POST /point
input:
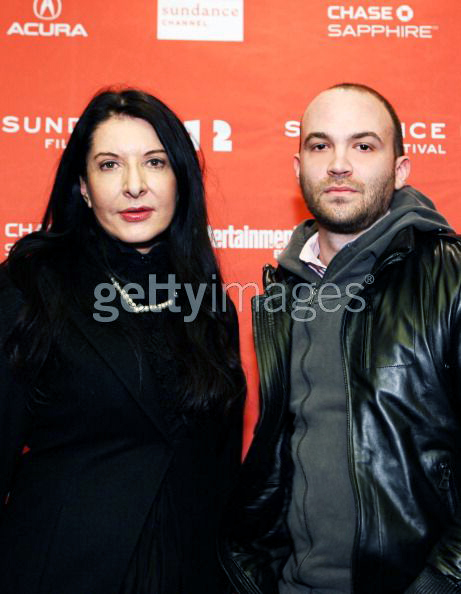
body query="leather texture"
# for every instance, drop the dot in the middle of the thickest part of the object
(402, 369)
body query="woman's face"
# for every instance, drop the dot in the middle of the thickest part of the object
(129, 184)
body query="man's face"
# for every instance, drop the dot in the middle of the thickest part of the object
(346, 165)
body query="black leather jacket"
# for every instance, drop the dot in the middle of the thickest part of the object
(402, 370)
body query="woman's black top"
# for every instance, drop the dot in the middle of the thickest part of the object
(121, 488)
(175, 551)
(178, 540)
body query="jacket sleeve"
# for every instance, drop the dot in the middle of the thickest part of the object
(433, 581)
(442, 574)
(445, 561)
(14, 416)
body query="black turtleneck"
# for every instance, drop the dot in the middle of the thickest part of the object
(147, 331)
(153, 568)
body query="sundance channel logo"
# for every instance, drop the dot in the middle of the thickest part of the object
(360, 20)
(200, 20)
(46, 12)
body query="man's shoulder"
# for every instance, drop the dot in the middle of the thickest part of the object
(438, 256)
(438, 243)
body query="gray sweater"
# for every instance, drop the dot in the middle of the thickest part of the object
(322, 515)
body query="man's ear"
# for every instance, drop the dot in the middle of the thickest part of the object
(296, 165)
(402, 171)
(84, 192)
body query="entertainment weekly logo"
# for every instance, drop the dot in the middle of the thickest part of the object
(352, 20)
(54, 131)
(244, 238)
(419, 138)
(202, 20)
(44, 25)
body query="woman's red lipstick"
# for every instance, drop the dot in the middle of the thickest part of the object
(136, 215)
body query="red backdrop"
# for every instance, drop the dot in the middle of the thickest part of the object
(240, 73)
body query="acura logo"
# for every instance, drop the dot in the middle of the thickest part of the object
(47, 10)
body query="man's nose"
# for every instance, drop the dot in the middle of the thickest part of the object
(134, 183)
(339, 164)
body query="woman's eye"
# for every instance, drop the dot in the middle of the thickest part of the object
(157, 163)
(108, 165)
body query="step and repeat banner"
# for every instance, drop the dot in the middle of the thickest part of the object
(239, 73)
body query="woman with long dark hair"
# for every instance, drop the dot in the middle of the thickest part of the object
(120, 370)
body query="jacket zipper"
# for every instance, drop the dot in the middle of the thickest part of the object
(446, 474)
(366, 358)
(314, 292)
(350, 456)
(446, 484)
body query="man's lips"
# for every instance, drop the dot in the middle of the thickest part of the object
(338, 189)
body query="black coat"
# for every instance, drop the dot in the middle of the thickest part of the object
(402, 366)
(100, 447)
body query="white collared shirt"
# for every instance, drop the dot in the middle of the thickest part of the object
(310, 255)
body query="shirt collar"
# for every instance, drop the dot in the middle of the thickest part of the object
(310, 255)
(311, 250)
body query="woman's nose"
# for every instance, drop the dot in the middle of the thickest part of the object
(134, 182)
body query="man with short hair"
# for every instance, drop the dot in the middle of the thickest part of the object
(353, 479)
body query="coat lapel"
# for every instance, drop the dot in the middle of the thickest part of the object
(135, 374)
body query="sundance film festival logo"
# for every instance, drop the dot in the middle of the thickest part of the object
(421, 137)
(351, 20)
(47, 11)
(54, 130)
(424, 138)
(200, 20)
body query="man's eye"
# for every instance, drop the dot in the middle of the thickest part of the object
(364, 147)
(319, 147)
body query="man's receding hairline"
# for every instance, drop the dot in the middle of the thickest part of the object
(390, 124)
(387, 106)
(346, 90)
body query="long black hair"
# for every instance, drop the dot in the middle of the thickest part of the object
(209, 346)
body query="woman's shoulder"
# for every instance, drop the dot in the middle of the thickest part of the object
(6, 284)
(11, 298)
